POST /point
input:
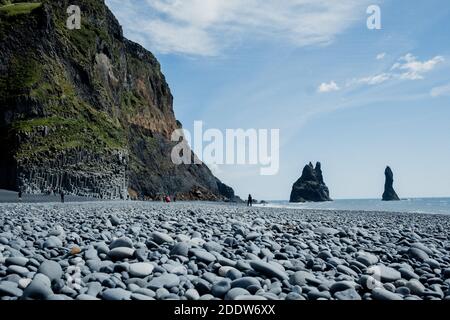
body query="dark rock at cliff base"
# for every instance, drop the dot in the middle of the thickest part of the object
(87, 111)
(389, 192)
(310, 187)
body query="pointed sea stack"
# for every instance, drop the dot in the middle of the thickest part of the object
(310, 187)
(389, 192)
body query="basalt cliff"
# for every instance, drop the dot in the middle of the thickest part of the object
(311, 186)
(389, 193)
(87, 111)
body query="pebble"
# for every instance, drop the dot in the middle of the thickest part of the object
(203, 255)
(269, 270)
(167, 280)
(141, 270)
(161, 238)
(51, 269)
(123, 242)
(180, 249)
(87, 253)
(116, 294)
(121, 253)
(236, 292)
(39, 288)
(383, 294)
(53, 242)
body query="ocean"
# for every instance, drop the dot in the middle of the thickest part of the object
(414, 205)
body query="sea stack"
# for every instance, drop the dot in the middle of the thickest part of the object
(389, 192)
(310, 187)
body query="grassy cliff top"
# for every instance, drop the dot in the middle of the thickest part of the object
(14, 9)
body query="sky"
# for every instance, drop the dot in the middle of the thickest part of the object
(355, 99)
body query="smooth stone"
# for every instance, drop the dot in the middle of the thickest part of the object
(342, 286)
(94, 288)
(367, 259)
(140, 297)
(213, 246)
(51, 269)
(53, 242)
(301, 278)
(10, 290)
(115, 221)
(140, 269)
(116, 294)
(24, 282)
(121, 253)
(220, 288)
(384, 273)
(146, 292)
(192, 294)
(180, 249)
(39, 288)
(408, 274)
(245, 282)
(236, 292)
(123, 242)
(269, 270)
(203, 255)
(316, 294)
(346, 270)
(17, 261)
(417, 254)
(21, 271)
(160, 238)
(416, 287)
(91, 254)
(383, 294)
(167, 280)
(86, 297)
(349, 294)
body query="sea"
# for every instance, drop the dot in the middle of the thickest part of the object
(413, 205)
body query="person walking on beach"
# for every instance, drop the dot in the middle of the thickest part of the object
(62, 196)
(20, 195)
(250, 201)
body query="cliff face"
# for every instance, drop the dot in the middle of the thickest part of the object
(310, 187)
(86, 111)
(389, 192)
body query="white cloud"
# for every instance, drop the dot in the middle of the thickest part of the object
(377, 79)
(440, 91)
(207, 27)
(381, 56)
(406, 68)
(328, 87)
(413, 69)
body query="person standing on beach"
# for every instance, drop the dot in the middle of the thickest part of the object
(62, 196)
(250, 201)
(20, 195)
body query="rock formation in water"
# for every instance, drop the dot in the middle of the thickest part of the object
(310, 187)
(87, 111)
(389, 192)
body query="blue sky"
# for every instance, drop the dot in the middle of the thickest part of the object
(353, 98)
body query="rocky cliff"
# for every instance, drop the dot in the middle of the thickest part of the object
(389, 192)
(311, 186)
(87, 111)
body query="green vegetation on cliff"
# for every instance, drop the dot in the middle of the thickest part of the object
(14, 9)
